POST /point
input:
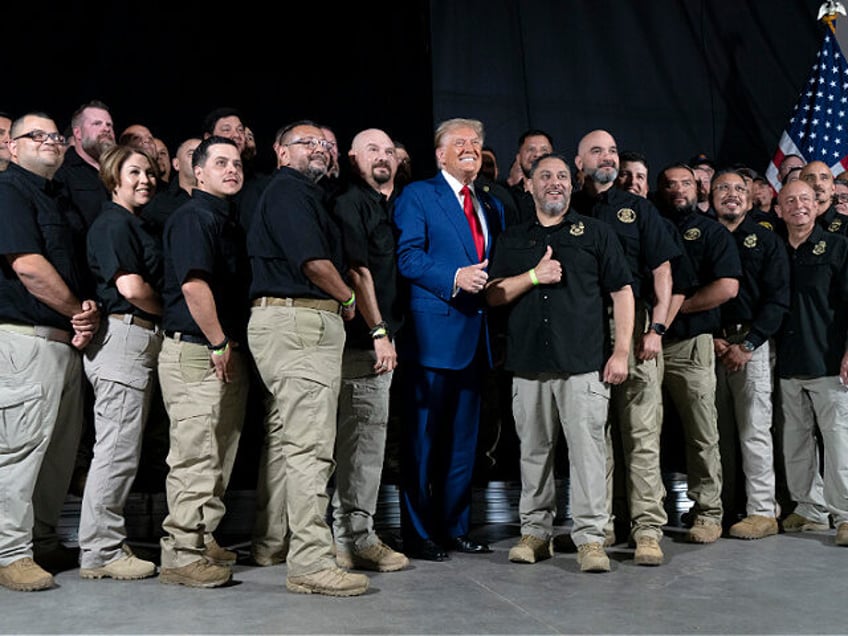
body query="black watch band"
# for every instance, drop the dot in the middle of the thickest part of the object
(658, 328)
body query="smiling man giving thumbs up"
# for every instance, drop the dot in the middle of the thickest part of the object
(556, 273)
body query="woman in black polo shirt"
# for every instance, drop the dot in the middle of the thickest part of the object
(126, 262)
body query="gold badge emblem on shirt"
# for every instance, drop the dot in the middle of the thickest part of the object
(820, 248)
(577, 229)
(767, 225)
(834, 226)
(626, 215)
(692, 234)
(750, 241)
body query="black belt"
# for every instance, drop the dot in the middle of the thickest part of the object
(179, 336)
(742, 328)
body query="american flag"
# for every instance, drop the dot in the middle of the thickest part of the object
(818, 128)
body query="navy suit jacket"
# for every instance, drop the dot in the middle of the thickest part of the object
(434, 241)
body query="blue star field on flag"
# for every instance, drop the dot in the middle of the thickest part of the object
(818, 128)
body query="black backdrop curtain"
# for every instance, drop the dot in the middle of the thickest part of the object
(669, 78)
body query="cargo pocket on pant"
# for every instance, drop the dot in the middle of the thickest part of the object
(21, 410)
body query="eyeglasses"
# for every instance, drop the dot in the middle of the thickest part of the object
(312, 144)
(842, 198)
(726, 187)
(39, 137)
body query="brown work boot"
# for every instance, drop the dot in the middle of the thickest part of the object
(25, 575)
(126, 568)
(217, 555)
(332, 582)
(530, 549)
(378, 557)
(797, 523)
(753, 527)
(842, 533)
(704, 531)
(564, 543)
(648, 551)
(198, 573)
(592, 558)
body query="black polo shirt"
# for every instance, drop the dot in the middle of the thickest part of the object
(811, 341)
(712, 254)
(291, 226)
(769, 220)
(368, 236)
(83, 184)
(119, 241)
(34, 219)
(833, 222)
(637, 223)
(203, 236)
(763, 297)
(561, 328)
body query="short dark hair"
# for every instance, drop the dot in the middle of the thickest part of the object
(683, 166)
(534, 132)
(550, 155)
(219, 113)
(285, 130)
(633, 157)
(201, 153)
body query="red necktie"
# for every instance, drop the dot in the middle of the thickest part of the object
(473, 221)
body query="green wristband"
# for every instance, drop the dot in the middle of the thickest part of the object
(350, 300)
(533, 278)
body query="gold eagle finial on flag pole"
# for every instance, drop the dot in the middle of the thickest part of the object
(828, 12)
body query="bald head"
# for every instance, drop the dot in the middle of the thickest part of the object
(597, 158)
(372, 155)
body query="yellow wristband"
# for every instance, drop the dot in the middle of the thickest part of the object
(533, 278)
(350, 300)
(221, 351)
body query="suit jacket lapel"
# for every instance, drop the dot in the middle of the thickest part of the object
(453, 211)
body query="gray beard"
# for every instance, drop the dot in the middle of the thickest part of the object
(603, 178)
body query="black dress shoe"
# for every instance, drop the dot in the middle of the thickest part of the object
(466, 544)
(425, 550)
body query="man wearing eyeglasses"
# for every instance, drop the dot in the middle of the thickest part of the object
(296, 334)
(43, 324)
(743, 363)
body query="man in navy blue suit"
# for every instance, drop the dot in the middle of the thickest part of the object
(446, 230)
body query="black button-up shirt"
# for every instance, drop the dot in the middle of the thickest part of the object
(637, 223)
(712, 254)
(35, 219)
(291, 225)
(564, 327)
(811, 342)
(763, 297)
(368, 235)
(203, 238)
(119, 241)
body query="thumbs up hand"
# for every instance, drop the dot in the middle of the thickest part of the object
(548, 270)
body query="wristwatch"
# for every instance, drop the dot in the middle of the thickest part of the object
(658, 328)
(748, 346)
